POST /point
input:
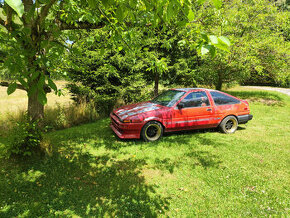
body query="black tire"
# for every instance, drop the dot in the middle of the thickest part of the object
(152, 131)
(229, 125)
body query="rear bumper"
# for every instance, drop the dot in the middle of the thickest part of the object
(244, 118)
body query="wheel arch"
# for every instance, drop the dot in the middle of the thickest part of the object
(156, 119)
(147, 121)
(228, 116)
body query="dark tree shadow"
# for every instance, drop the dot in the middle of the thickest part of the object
(73, 182)
(205, 159)
(166, 164)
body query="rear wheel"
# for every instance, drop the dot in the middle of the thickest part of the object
(229, 125)
(152, 131)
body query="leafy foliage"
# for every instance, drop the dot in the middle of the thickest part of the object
(106, 73)
(259, 54)
(24, 139)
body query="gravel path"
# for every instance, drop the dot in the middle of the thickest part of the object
(282, 90)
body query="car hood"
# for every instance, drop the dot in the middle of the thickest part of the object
(136, 109)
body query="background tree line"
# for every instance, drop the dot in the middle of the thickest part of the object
(130, 70)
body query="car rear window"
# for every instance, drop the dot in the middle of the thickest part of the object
(223, 99)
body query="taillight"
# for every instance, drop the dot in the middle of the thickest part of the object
(246, 105)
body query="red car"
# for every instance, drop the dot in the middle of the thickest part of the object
(180, 109)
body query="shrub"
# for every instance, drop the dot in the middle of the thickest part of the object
(24, 139)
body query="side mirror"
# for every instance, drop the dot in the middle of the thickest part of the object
(180, 105)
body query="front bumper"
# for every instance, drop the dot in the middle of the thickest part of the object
(125, 130)
(244, 118)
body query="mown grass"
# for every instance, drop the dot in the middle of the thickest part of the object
(90, 172)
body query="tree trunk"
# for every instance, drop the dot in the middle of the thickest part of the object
(35, 109)
(156, 84)
(219, 83)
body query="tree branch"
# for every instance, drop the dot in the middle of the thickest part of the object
(9, 12)
(2, 22)
(44, 11)
(28, 5)
(81, 25)
(21, 87)
(6, 84)
(103, 13)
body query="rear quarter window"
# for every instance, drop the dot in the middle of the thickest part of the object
(223, 99)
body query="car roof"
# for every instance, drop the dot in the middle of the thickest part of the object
(192, 89)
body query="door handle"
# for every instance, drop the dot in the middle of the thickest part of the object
(209, 109)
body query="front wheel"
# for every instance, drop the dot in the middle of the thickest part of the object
(229, 125)
(152, 131)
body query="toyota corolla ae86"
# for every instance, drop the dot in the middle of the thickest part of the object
(180, 109)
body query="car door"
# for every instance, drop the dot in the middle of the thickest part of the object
(197, 112)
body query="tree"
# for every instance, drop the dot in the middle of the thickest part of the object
(258, 54)
(103, 72)
(33, 33)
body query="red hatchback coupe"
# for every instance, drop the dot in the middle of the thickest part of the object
(180, 109)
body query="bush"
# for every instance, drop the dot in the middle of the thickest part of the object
(24, 139)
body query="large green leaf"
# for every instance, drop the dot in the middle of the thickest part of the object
(17, 6)
(170, 10)
(208, 49)
(52, 84)
(200, 1)
(11, 88)
(119, 13)
(41, 97)
(34, 75)
(217, 3)
(32, 90)
(204, 36)
(41, 82)
(225, 40)
(23, 82)
(213, 39)
(92, 3)
(190, 15)
(223, 46)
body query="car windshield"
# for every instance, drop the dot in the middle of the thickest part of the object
(168, 98)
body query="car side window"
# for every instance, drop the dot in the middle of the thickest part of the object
(223, 99)
(196, 99)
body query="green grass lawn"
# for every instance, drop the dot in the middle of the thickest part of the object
(90, 172)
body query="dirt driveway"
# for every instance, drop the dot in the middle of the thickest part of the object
(282, 90)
